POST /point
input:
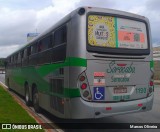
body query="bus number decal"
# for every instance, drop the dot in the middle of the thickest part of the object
(121, 97)
(141, 90)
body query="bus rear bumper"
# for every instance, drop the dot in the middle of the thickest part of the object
(84, 110)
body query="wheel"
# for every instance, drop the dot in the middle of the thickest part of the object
(36, 101)
(27, 98)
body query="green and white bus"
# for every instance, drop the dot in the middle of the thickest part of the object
(93, 63)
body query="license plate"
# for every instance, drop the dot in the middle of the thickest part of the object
(120, 89)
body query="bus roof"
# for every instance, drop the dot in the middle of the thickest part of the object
(71, 14)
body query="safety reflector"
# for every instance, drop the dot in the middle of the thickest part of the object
(121, 65)
(140, 105)
(151, 83)
(108, 108)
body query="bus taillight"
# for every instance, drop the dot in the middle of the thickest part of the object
(82, 78)
(151, 88)
(85, 93)
(151, 83)
(108, 108)
(140, 105)
(84, 86)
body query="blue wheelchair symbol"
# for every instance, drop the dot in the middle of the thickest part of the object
(99, 93)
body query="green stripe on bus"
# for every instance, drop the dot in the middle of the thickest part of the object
(31, 76)
(151, 64)
(73, 61)
(116, 31)
(70, 61)
(68, 93)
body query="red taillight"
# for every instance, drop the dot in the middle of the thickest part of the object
(108, 108)
(151, 83)
(84, 86)
(82, 78)
(121, 65)
(140, 105)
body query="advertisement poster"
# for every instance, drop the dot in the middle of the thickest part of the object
(113, 32)
(101, 31)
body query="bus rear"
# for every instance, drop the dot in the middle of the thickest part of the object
(118, 77)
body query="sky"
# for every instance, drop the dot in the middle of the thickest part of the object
(19, 17)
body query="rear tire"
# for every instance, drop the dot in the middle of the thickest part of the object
(27, 97)
(36, 101)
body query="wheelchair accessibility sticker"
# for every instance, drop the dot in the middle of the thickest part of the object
(99, 93)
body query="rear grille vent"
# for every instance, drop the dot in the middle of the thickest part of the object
(56, 88)
(121, 57)
(57, 104)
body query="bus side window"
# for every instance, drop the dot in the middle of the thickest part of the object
(11, 60)
(39, 46)
(15, 59)
(25, 57)
(19, 60)
(34, 48)
(22, 54)
(25, 53)
(7, 62)
(29, 51)
(33, 56)
(49, 41)
(22, 57)
(60, 36)
(19, 56)
(45, 44)
(60, 41)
